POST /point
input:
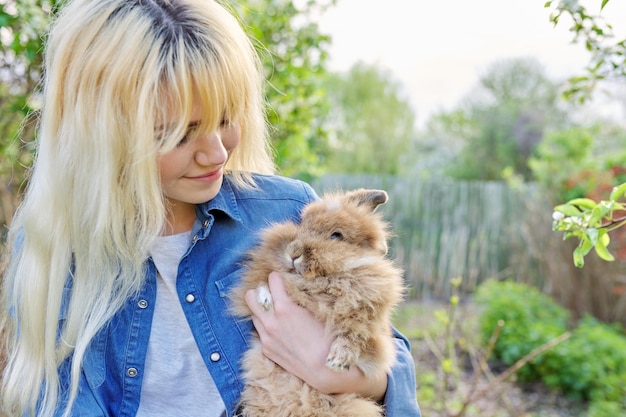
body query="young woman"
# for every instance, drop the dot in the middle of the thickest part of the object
(152, 178)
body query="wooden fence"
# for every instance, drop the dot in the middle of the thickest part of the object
(445, 229)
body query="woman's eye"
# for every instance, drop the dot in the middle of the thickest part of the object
(184, 140)
(191, 131)
(188, 134)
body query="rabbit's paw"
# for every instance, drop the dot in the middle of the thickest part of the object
(264, 297)
(341, 357)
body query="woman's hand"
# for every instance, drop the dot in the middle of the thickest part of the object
(294, 339)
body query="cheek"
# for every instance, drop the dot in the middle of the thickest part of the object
(231, 137)
(168, 164)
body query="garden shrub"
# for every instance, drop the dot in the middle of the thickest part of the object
(606, 409)
(590, 365)
(531, 319)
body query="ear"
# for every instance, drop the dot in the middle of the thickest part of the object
(369, 198)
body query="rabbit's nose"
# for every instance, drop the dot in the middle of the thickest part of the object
(295, 252)
(295, 249)
(297, 255)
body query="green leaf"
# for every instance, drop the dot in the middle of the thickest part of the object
(447, 366)
(593, 235)
(6, 19)
(598, 213)
(568, 210)
(618, 191)
(579, 257)
(601, 248)
(586, 245)
(604, 2)
(618, 206)
(583, 203)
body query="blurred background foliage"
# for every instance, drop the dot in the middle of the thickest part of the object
(294, 54)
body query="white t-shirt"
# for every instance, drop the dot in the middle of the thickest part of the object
(176, 380)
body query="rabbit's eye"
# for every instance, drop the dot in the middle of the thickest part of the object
(336, 235)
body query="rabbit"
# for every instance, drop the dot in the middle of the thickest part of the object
(334, 264)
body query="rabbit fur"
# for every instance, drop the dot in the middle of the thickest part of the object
(334, 264)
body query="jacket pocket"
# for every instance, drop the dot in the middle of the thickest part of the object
(225, 288)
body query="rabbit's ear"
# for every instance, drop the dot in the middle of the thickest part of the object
(369, 198)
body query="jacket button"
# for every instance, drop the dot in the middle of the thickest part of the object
(195, 238)
(205, 224)
(131, 372)
(190, 298)
(142, 304)
(215, 356)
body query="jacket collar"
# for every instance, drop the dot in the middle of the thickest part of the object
(225, 201)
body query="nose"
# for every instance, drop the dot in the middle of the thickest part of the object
(210, 150)
(295, 252)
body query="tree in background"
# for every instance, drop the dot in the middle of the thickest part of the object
(371, 124)
(590, 219)
(559, 159)
(439, 143)
(607, 54)
(503, 120)
(294, 54)
(570, 163)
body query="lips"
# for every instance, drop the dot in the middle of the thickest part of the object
(209, 176)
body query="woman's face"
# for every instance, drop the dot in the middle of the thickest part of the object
(193, 172)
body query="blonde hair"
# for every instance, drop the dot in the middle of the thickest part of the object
(114, 69)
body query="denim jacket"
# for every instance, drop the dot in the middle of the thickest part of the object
(225, 228)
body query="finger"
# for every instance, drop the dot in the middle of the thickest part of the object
(251, 298)
(258, 325)
(277, 287)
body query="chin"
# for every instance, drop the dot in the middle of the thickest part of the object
(208, 194)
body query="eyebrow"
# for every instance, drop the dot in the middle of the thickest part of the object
(191, 125)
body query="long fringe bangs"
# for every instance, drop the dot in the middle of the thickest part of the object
(216, 60)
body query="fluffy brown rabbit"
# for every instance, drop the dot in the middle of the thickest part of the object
(334, 264)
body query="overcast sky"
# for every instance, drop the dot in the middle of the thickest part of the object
(439, 48)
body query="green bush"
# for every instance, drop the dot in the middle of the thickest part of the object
(590, 365)
(606, 409)
(530, 320)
